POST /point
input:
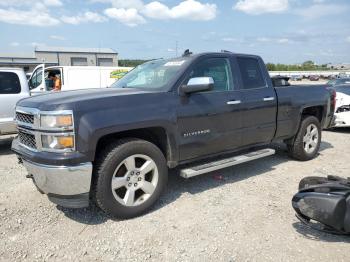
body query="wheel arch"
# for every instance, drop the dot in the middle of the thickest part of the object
(157, 135)
(316, 111)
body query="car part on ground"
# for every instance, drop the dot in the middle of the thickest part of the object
(326, 201)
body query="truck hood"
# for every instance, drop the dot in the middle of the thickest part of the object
(71, 99)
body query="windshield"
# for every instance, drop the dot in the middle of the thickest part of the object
(152, 75)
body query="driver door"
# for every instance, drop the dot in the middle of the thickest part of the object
(209, 122)
(37, 80)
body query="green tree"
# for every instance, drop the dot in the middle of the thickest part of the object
(306, 66)
(271, 67)
(131, 62)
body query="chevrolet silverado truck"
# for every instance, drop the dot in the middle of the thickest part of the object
(198, 113)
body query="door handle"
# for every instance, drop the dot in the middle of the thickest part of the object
(269, 98)
(234, 102)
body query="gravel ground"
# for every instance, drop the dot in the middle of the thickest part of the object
(245, 216)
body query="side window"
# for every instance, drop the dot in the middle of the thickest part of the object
(251, 73)
(9, 83)
(36, 79)
(217, 68)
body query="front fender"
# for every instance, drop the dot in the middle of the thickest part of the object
(94, 126)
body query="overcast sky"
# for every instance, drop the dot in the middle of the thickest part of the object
(285, 31)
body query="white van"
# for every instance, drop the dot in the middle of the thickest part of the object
(13, 87)
(75, 77)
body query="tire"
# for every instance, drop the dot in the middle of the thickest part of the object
(299, 149)
(136, 170)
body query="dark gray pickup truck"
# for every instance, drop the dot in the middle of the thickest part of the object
(198, 112)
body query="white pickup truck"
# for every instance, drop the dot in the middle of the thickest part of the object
(13, 87)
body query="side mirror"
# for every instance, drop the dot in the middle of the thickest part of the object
(197, 84)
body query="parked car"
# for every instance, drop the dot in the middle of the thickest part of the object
(342, 111)
(13, 87)
(296, 78)
(338, 81)
(75, 77)
(314, 78)
(116, 145)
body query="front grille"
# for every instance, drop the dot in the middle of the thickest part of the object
(27, 139)
(25, 118)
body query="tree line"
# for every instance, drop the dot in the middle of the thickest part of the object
(131, 62)
(306, 66)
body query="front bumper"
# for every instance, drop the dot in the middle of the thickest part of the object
(342, 119)
(68, 186)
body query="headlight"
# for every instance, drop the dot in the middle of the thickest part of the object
(58, 131)
(57, 142)
(63, 121)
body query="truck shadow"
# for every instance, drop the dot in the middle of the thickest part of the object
(5, 145)
(315, 235)
(343, 130)
(177, 186)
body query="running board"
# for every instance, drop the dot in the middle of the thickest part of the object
(223, 163)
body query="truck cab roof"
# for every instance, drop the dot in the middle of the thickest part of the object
(223, 53)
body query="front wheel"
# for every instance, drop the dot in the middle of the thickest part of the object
(129, 177)
(307, 141)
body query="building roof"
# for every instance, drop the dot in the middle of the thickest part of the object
(17, 55)
(74, 50)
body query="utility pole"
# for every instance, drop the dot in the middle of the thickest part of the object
(176, 43)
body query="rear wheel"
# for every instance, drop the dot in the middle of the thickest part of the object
(129, 177)
(307, 141)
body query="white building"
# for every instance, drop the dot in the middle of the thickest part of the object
(64, 56)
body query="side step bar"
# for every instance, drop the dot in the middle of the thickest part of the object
(227, 162)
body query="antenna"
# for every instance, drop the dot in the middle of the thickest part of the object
(98, 64)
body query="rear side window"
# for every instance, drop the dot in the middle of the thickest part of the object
(251, 73)
(9, 83)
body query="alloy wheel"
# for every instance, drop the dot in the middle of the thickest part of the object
(134, 180)
(310, 139)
